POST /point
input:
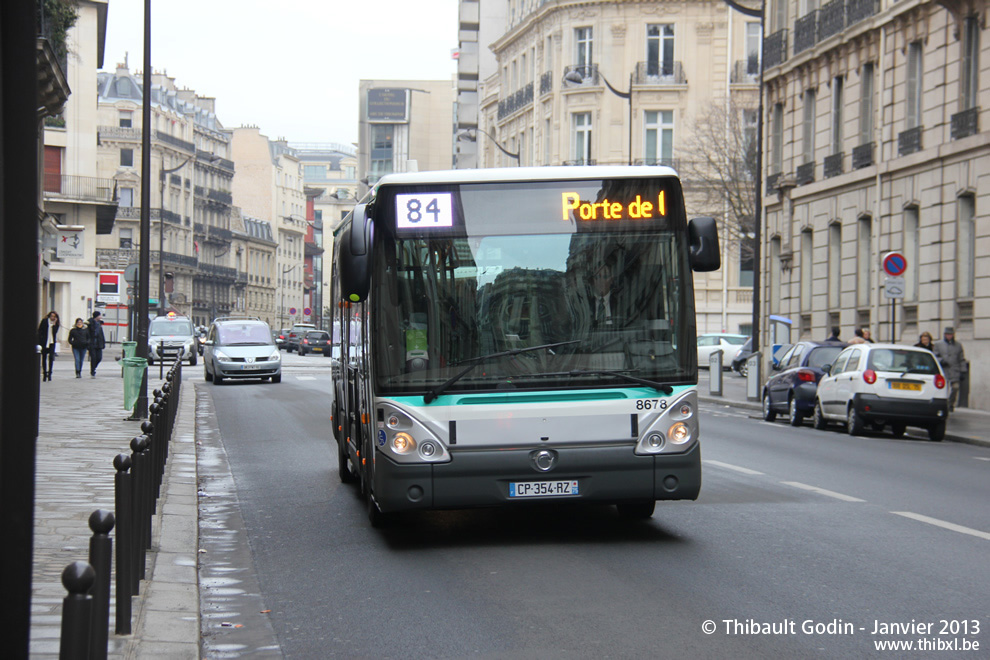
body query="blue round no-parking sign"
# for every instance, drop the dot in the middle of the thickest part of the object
(894, 264)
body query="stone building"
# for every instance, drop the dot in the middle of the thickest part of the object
(586, 82)
(876, 143)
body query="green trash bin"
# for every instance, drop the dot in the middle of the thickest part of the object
(130, 348)
(134, 372)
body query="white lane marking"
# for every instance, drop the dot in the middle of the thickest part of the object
(982, 458)
(822, 491)
(729, 466)
(943, 524)
(305, 377)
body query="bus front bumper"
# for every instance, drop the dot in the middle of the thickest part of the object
(482, 478)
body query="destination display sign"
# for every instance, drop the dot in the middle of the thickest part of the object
(638, 209)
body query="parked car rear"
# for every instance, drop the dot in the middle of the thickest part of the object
(793, 382)
(315, 341)
(884, 385)
(296, 334)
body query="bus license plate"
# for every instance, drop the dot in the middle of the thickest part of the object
(896, 385)
(543, 488)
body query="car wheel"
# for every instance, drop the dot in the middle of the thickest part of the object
(207, 376)
(217, 379)
(743, 370)
(277, 378)
(854, 423)
(768, 414)
(302, 352)
(192, 360)
(636, 510)
(898, 430)
(819, 419)
(936, 432)
(795, 417)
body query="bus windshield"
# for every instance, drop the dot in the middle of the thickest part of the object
(524, 265)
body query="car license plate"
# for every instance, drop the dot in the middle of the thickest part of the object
(317, 349)
(897, 385)
(252, 366)
(543, 488)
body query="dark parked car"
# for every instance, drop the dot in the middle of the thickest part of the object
(746, 350)
(793, 382)
(296, 334)
(315, 341)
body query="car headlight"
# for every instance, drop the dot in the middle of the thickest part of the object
(221, 357)
(275, 357)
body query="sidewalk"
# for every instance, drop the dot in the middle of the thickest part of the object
(81, 430)
(964, 424)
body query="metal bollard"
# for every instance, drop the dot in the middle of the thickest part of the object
(100, 557)
(155, 417)
(139, 488)
(77, 578)
(125, 534)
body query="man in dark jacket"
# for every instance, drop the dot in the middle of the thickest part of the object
(835, 334)
(950, 355)
(97, 342)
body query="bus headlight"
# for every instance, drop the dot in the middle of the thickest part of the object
(679, 433)
(655, 441)
(403, 443)
(428, 449)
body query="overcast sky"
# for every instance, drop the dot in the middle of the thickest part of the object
(291, 67)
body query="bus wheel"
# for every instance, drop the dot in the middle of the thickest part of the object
(636, 510)
(343, 466)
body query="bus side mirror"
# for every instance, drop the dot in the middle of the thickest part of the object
(355, 256)
(703, 247)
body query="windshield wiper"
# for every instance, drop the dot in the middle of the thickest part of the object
(659, 387)
(443, 387)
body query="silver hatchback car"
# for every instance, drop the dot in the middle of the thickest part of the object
(240, 347)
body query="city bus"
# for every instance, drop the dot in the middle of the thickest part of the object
(519, 335)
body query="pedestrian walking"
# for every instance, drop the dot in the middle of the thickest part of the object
(48, 340)
(79, 341)
(97, 342)
(925, 341)
(950, 356)
(835, 334)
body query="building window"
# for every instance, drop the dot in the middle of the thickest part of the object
(970, 62)
(808, 138)
(866, 104)
(127, 158)
(838, 85)
(777, 139)
(583, 43)
(807, 254)
(754, 49)
(126, 239)
(750, 118)
(966, 247)
(382, 156)
(126, 197)
(581, 140)
(779, 14)
(774, 283)
(913, 87)
(125, 119)
(660, 50)
(864, 261)
(315, 172)
(911, 253)
(659, 141)
(834, 264)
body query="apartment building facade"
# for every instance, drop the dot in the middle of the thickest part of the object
(624, 83)
(876, 143)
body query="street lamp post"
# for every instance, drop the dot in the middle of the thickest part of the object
(497, 144)
(161, 231)
(576, 77)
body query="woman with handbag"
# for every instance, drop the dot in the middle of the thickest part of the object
(48, 340)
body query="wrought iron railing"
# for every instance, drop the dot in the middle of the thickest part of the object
(805, 173)
(118, 133)
(775, 48)
(857, 10)
(909, 141)
(659, 73)
(862, 156)
(746, 71)
(806, 32)
(965, 123)
(772, 181)
(515, 102)
(83, 188)
(546, 83)
(175, 142)
(833, 165)
(831, 19)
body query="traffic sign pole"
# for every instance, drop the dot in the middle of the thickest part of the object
(894, 264)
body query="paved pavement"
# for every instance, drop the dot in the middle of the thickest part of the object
(82, 428)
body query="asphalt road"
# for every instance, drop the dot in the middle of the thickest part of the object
(792, 526)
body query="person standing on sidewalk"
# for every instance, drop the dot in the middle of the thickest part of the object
(97, 342)
(950, 355)
(79, 341)
(925, 341)
(48, 340)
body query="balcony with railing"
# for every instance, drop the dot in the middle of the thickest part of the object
(213, 159)
(116, 258)
(805, 173)
(965, 123)
(833, 165)
(175, 142)
(118, 133)
(806, 32)
(746, 71)
(659, 73)
(909, 141)
(772, 181)
(831, 19)
(857, 10)
(862, 156)
(134, 213)
(174, 258)
(546, 83)
(218, 196)
(68, 187)
(775, 49)
(221, 272)
(515, 102)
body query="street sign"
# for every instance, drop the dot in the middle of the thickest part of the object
(894, 264)
(893, 287)
(307, 311)
(292, 311)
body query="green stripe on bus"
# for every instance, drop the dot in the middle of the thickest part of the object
(565, 396)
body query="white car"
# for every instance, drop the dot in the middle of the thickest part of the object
(883, 385)
(709, 343)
